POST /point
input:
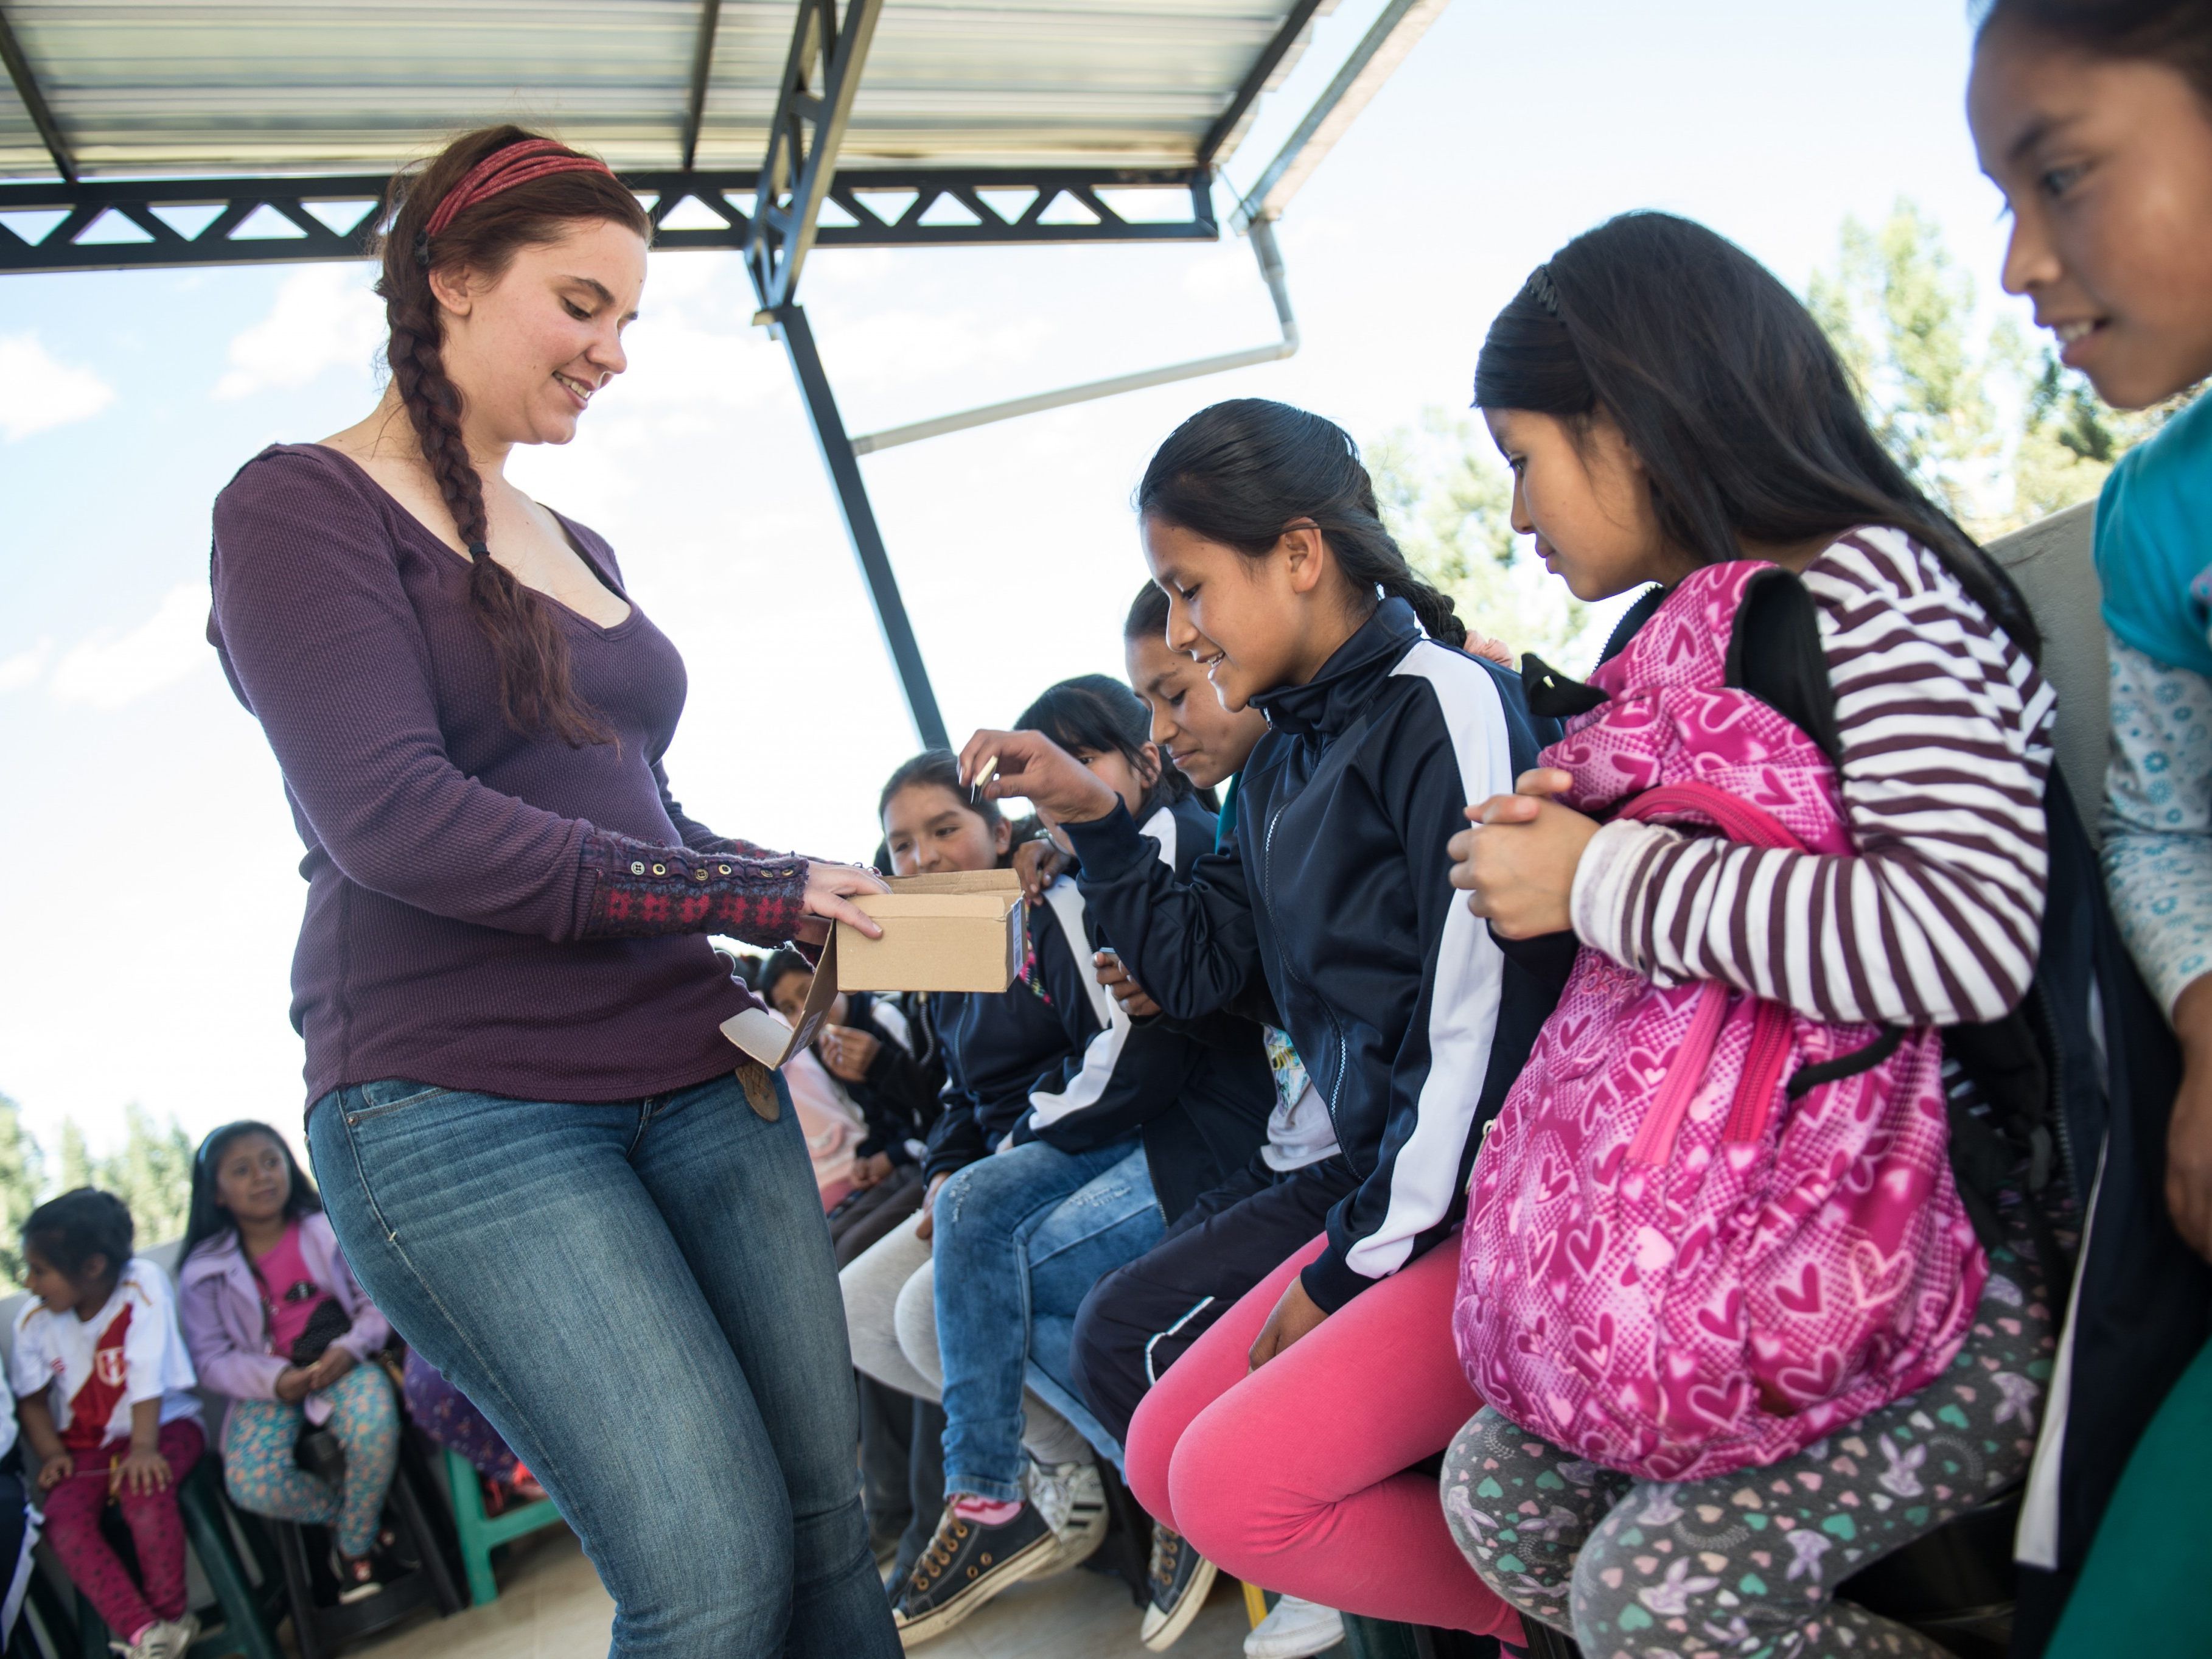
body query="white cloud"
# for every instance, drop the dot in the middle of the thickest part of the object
(109, 670)
(37, 391)
(25, 666)
(325, 318)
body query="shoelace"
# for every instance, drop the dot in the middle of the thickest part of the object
(1166, 1546)
(948, 1534)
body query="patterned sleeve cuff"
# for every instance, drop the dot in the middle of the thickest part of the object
(638, 890)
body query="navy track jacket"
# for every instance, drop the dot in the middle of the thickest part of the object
(1335, 900)
(1133, 1077)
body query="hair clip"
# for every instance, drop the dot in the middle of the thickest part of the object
(423, 249)
(1539, 288)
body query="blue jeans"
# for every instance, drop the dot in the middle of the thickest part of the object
(1020, 1238)
(639, 1297)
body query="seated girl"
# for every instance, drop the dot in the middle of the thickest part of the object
(1278, 1442)
(995, 1049)
(274, 1320)
(104, 1391)
(1666, 405)
(1022, 1235)
(1144, 1314)
(2096, 123)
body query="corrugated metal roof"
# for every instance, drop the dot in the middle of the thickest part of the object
(149, 88)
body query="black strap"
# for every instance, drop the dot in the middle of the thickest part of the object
(1807, 1078)
(1552, 696)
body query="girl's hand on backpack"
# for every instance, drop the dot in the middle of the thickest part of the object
(1517, 864)
(1296, 1316)
(1032, 766)
(2189, 1137)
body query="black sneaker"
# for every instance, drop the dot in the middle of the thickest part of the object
(1179, 1579)
(964, 1567)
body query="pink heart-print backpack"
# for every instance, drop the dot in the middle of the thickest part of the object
(1706, 1230)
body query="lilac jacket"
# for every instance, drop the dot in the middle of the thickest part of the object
(219, 1305)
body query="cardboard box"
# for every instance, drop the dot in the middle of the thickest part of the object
(963, 932)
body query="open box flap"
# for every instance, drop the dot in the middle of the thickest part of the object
(762, 1033)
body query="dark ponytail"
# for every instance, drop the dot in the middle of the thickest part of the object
(1745, 420)
(1242, 473)
(537, 696)
(2175, 33)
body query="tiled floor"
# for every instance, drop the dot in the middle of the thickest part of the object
(551, 1606)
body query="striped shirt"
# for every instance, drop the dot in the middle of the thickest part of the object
(1946, 747)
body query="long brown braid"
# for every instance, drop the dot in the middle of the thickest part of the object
(536, 694)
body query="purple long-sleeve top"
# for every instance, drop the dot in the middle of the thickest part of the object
(452, 864)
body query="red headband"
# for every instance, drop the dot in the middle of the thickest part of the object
(502, 170)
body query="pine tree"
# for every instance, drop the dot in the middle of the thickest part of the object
(22, 1182)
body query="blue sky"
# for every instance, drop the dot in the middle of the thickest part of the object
(150, 898)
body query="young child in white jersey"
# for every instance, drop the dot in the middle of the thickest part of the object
(103, 1388)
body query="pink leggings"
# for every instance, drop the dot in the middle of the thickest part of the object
(1294, 1477)
(157, 1529)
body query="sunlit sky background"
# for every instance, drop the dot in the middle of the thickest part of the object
(148, 895)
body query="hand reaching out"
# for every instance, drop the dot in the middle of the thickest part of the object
(1032, 766)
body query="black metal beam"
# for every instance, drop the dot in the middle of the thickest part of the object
(790, 321)
(703, 68)
(1256, 82)
(935, 194)
(26, 88)
(820, 78)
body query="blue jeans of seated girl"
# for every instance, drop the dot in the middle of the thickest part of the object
(1011, 1240)
(639, 1297)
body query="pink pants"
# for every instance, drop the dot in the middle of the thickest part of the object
(157, 1529)
(1294, 1476)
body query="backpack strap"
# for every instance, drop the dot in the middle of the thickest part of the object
(1775, 653)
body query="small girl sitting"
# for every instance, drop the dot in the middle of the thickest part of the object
(104, 1389)
(276, 1321)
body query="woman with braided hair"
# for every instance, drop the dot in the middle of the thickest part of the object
(525, 1121)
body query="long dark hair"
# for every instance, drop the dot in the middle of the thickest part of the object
(1745, 419)
(1098, 713)
(2177, 33)
(1242, 473)
(208, 1218)
(537, 696)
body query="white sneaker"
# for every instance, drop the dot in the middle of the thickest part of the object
(1294, 1630)
(169, 1638)
(1071, 1498)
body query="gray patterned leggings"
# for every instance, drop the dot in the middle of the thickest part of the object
(1747, 1564)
